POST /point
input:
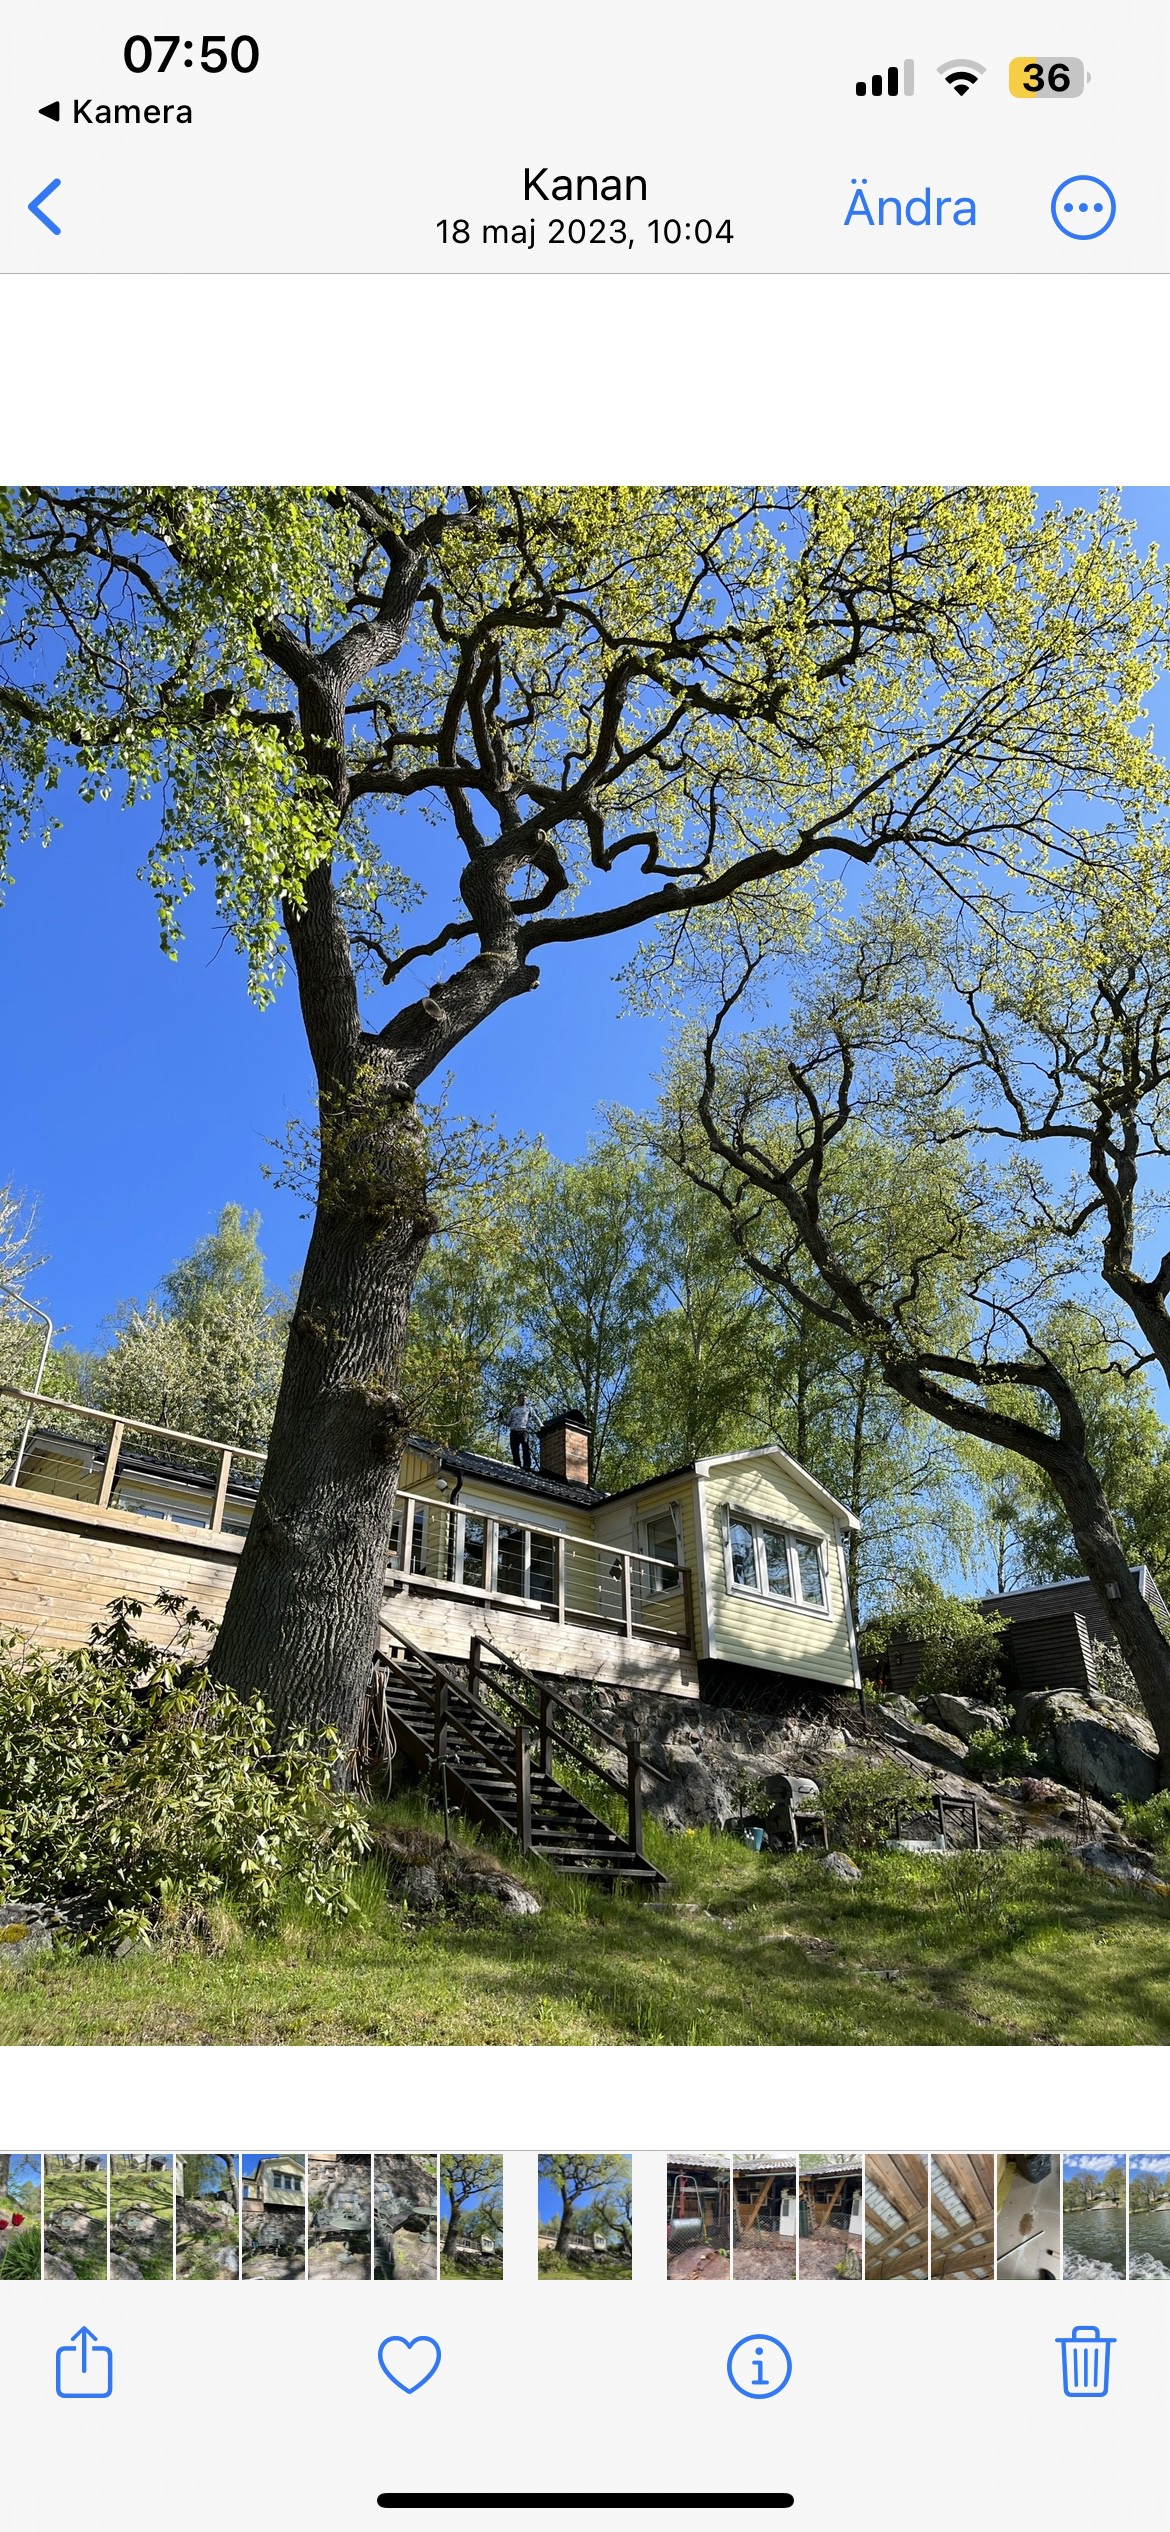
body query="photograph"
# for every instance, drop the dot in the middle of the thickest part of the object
(766, 2215)
(471, 2215)
(770, 1434)
(272, 2217)
(1149, 2218)
(207, 2217)
(1093, 2205)
(142, 2216)
(1027, 2218)
(406, 2216)
(897, 2217)
(698, 2219)
(831, 2241)
(962, 2217)
(340, 2217)
(76, 2216)
(20, 2218)
(585, 2217)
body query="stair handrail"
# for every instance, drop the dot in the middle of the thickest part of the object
(445, 1687)
(631, 1749)
(555, 1697)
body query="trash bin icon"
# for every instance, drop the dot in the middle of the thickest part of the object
(1084, 2357)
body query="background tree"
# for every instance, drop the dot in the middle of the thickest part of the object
(21, 1335)
(206, 1355)
(731, 684)
(950, 1271)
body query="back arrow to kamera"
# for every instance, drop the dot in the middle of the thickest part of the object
(42, 215)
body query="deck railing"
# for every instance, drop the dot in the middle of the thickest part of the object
(436, 1545)
(221, 1454)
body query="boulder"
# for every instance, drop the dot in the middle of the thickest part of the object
(965, 1715)
(841, 1867)
(422, 1887)
(1107, 1748)
(939, 1749)
(1105, 1859)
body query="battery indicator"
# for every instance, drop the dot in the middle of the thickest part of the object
(1046, 75)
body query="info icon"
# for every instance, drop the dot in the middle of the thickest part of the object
(759, 2366)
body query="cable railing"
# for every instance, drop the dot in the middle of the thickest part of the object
(516, 1563)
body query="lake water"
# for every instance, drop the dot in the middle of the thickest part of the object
(1149, 2242)
(1094, 2241)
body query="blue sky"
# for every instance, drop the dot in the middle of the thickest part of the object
(143, 1096)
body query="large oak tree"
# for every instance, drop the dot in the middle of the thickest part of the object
(719, 691)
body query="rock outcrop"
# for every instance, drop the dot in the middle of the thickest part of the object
(1091, 1741)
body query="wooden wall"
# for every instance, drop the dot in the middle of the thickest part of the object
(61, 1564)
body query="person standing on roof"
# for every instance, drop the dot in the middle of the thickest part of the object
(520, 1423)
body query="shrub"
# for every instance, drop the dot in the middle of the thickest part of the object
(1148, 1823)
(135, 1791)
(1115, 1678)
(1000, 1753)
(859, 1799)
(961, 1648)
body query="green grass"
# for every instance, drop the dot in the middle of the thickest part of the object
(474, 2271)
(743, 1949)
(597, 2271)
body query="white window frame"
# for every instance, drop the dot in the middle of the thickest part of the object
(792, 1535)
(654, 1583)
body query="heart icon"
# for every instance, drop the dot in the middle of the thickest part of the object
(410, 2369)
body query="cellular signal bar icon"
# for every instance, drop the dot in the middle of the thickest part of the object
(890, 83)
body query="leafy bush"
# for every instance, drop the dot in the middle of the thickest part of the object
(1115, 1678)
(1000, 1753)
(1148, 1823)
(961, 1648)
(859, 1799)
(136, 1792)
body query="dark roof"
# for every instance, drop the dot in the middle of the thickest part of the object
(503, 1472)
(1073, 1592)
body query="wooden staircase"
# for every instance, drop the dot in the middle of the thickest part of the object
(497, 1767)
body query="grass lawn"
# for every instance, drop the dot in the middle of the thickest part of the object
(743, 1949)
(614, 2267)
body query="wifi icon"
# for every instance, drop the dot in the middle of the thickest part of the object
(961, 76)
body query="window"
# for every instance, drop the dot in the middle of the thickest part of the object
(662, 1542)
(775, 1564)
(474, 1569)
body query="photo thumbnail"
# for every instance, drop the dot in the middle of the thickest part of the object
(525, 1512)
(585, 2217)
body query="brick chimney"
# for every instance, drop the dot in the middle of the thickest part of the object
(564, 1449)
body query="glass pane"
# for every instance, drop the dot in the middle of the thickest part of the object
(743, 1554)
(542, 1568)
(660, 1542)
(776, 1564)
(510, 1560)
(812, 1581)
(474, 1545)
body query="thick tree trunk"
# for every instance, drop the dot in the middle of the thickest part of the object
(451, 2235)
(565, 2227)
(1138, 1633)
(300, 1628)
